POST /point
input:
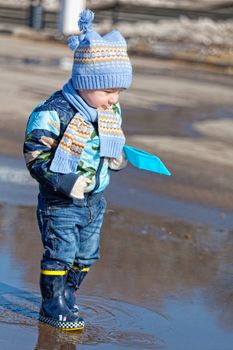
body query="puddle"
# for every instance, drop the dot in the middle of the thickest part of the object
(161, 284)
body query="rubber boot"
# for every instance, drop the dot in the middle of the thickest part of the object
(75, 276)
(54, 310)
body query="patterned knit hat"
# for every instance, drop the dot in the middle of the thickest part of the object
(100, 62)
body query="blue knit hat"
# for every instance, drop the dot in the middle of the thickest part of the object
(100, 62)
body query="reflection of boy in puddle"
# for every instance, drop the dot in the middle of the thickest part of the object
(50, 338)
(72, 139)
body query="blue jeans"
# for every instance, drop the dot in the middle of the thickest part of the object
(70, 230)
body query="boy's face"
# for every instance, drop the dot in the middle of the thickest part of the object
(100, 99)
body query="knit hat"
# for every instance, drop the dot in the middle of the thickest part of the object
(100, 62)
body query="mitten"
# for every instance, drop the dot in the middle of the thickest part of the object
(117, 163)
(81, 186)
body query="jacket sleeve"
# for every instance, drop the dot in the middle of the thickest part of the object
(41, 139)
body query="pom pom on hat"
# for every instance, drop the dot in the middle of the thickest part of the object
(85, 23)
(85, 20)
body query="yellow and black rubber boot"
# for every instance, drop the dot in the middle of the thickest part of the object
(75, 276)
(54, 310)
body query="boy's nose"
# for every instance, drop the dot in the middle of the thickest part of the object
(113, 99)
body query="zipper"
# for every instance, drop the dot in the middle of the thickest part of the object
(98, 174)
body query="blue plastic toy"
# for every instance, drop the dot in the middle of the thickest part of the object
(144, 160)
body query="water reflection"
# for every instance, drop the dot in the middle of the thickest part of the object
(59, 340)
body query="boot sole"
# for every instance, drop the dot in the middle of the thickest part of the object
(66, 326)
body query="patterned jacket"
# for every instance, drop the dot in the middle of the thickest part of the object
(45, 128)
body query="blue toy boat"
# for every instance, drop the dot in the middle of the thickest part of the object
(146, 161)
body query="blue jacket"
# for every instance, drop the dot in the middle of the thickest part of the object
(45, 128)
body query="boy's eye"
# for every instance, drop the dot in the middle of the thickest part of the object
(112, 91)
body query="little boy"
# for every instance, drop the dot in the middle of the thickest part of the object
(72, 139)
